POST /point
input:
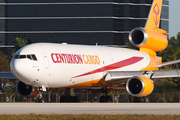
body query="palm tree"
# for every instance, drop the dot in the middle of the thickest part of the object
(21, 43)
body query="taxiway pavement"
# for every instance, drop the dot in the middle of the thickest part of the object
(90, 108)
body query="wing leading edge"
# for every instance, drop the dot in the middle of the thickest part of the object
(120, 77)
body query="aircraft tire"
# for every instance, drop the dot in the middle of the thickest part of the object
(136, 100)
(76, 99)
(108, 99)
(39, 100)
(102, 99)
(69, 99)
(63, 99)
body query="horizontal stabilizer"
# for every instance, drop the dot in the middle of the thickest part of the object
(168, 63)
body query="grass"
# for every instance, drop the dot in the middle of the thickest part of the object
(88, 117)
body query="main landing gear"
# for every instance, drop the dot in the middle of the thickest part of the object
(139, 99)
(105, 98)
(67, 98)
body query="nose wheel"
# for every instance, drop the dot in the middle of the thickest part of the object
(39, 98)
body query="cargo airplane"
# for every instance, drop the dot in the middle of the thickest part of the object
(49, 65)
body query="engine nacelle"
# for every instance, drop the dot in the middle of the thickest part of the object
(26, 90)
(154, 40)
(139, 86)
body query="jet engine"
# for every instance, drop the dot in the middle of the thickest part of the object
(139, 86)
(143, 38)
(26, 90)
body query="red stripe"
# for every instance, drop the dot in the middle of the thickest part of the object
(119, 64)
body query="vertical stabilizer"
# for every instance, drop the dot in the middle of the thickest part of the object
(154, 15)
(151, 38)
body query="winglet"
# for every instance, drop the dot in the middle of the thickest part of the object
(154, 15)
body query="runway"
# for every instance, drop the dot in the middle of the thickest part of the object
(91, 108)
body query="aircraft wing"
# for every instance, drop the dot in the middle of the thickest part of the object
(7, 75)
(120, 77)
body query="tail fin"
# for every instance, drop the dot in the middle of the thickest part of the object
(154, 15)
(151, 38)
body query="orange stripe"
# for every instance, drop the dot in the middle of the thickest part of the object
(93, 83)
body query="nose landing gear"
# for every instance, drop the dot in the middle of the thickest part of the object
(39, 98)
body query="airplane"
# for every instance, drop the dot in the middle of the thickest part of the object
(40, 66)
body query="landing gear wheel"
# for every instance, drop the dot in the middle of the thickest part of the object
(105, 98)
(136, 100)
(63, 99)
(76, 99)
(102, 99)
(108, 99)
(69, 99)
(39, 100)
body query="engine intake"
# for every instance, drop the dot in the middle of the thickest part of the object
(139, 86)
(138, 37)
(143, 38)
(26, 90)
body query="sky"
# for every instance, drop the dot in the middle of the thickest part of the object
(174, 17)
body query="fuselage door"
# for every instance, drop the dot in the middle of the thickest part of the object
(46, 60)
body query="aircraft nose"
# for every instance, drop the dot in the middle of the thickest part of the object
(21, 69)
(17, 68)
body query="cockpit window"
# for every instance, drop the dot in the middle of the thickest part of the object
(22, 56)
(34, 57)
(16, 56)
(31, 57)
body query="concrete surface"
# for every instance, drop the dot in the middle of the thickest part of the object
(90, 108)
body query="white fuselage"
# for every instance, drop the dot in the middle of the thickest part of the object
(61, 65)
